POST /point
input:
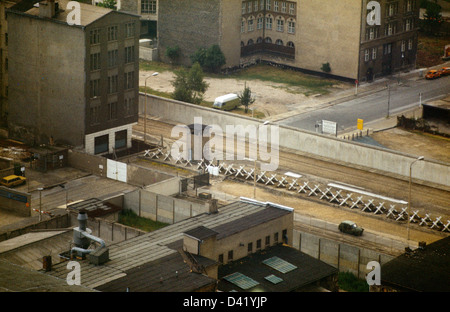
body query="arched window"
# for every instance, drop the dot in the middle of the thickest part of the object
(268, 40)
(280, 24)
(251, 23)
(242, 43)
(291, 26)
(279, 42)
(259, 40)
(250, 42)
(290, 44)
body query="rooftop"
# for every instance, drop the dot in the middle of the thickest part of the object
(158, 251)
(425, 270)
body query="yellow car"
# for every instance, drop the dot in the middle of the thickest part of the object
(445, 71)
(13, 180)
(433, 74)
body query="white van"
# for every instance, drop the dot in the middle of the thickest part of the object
(226, 102)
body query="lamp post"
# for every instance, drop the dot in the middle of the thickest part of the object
(40, 203)
(409, 200)
(145, 108)
(254, 170)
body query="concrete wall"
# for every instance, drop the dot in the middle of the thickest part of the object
(335, 149)
(167, 187)
(345, 257)
(148, 54)
(163, 208)
(9, 202)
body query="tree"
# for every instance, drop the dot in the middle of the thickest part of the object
(173, 53)
(246, 98)
(190, 85)
(211, 59)
(432, 17)
(326, 67)
(109, 4)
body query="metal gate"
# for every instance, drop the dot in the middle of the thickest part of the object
(116, 170)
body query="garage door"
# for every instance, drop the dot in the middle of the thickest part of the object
(116, 170)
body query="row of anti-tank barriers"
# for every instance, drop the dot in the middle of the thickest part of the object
(368, 203)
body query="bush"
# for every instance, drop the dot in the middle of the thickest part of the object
(326, 67)
(211, 59)
(173, 53)
(349, 282)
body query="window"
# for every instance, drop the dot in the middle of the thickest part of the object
(391, 9)
(243, 26)
(283, 7)
(268, 40)
(410, 44)
(267, 240)
(112, 84)
(121, 139)
(230, 255)
(366, 55)
(290, 44)
(95, 61)
(403, 46)
(94, 36)
(291, 27)
(130, 30)
(148, 6)
(249, 9)
(112, 111)
(250, 247)
(6, 39)
(260, 22)
(94, 87)
(101, 144)
(387, 48)
(268, 23)
(390, 29)
(112, 33)
(291, 8)
(243, 7)
(371, 33)
(129, 80)
(261, 5)
(250, 24)
(94, 114)
(284, 236)
(280, 25)
(258, 244)
(113, 58)
(408, 24)
(374, 53)
(221, 258)
(267, 4)
(256, 6)
(250, 42)
(129, 106)
(275, 6)
(275, 237)
(409, 5)
(129, 54)
(279, 42)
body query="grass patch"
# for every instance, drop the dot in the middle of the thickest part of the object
(430, 50)
(130, 218)
(349, 282)
(157, 66)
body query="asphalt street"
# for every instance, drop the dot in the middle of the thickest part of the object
(396, 98)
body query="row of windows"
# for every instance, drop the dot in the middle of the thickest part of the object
(112, 109)
(112, 32)
(389, 29)
(267, 242)
(371, 54)
(279, 26)
(392, 8)
(101, 143)
(268, 5)
(268, 40)
(113, 84)
(113, 58)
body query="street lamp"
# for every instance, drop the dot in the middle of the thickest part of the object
(40, 202)
(254, 170)
(145, 108)
(409, 200)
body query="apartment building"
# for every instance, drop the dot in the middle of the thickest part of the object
(73, 84)
(298, 34)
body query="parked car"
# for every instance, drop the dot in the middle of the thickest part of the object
(445, 71)
(13, 180)
(433, 74)
(350, 227)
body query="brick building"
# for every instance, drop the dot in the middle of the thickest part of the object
(73, 84)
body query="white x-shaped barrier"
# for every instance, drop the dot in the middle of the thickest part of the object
(331, 193)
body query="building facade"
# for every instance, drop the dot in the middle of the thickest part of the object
(304, 35)
(73, 84)
(148, 10)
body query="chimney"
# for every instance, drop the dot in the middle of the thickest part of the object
(48, 8)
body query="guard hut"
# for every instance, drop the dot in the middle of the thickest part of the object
(197, 130)
(48, 157)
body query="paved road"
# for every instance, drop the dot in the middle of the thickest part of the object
(398, 98)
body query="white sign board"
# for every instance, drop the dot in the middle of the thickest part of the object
(329, 127)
